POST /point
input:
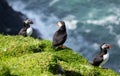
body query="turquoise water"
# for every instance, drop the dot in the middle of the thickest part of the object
(89, 23)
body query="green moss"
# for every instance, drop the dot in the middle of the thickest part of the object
(4, 71)
(25, 56)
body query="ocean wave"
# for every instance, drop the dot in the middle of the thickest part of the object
(53, 2)
(108, 15)
(118, 40)
(71, 22)
(105, 20)
(17, 5)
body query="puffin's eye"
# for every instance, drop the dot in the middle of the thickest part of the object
(29, 20)
(106, 45)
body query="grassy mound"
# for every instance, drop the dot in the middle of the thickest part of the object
(25, 56)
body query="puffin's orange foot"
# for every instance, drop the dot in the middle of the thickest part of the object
(62, 46)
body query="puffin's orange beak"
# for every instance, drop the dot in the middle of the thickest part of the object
(110, 46)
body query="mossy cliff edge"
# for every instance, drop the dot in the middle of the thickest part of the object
(25, 56)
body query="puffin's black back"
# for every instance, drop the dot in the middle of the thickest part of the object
(60, 36)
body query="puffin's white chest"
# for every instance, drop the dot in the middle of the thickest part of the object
(105, 58)
(29, 31)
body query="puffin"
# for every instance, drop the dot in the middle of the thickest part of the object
(60, 35)
(103, 56)
(26, 30)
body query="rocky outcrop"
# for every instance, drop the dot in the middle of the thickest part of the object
(10, 20)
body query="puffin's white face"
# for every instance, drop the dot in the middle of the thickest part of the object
(59, 24)
(106, 46)
(28, 21)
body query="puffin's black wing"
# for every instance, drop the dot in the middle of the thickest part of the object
(59, 38)
(97, 60)
(22, 32)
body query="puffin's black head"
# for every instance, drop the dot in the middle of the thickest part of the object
(60, 23)
(106, 46)
(28, 21)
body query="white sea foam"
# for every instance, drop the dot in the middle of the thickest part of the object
(105, 20)
(17, 5)
(87, 30)
(119, 70)
(116, 36)
(71, 22)
(118, 40)
(114, 17)
(53, 2)
(95, 46)
(111, 30)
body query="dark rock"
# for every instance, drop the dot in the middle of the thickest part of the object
(10, 20)
(36, 34)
